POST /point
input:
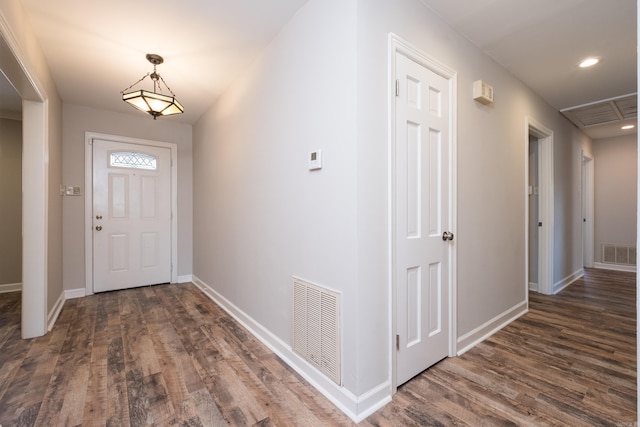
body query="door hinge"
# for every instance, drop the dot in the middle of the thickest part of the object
(397, 341)
(397, 87)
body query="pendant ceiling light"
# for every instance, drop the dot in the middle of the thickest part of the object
(154, 103)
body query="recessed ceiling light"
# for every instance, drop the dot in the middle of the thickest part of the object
(627, 127)
(589, 62)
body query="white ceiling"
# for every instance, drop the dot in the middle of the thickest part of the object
(542, 41)
(97, 49)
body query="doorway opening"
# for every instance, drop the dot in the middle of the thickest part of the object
(588, 210)
(34, 186)
(533, 191)
(539, 218)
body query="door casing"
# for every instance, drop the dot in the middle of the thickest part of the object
(399, 45)
(545, 200)
(173, 148)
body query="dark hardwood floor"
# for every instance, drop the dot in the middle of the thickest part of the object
(167, 355)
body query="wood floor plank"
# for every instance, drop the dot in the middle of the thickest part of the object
(167, 355)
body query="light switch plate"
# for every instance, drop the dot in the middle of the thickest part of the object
(73, 191)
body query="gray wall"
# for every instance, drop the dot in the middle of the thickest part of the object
(77, 121)
(261, 216)
(615, 191)
(10, 201)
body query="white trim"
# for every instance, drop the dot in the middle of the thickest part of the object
(57, 307)
(356, 407)
(186, 278)
(546, 204)
(533, 286)
(484, 331)
(88, 204)
(10, 287)
(75, 293)
(615, 267)
(399, 45)
(35, 213)
(55, 311)
(558, 286)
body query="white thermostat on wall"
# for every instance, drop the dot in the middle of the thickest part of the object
(315, 160)
(482, 92)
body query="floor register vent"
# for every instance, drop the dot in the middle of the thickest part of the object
(316, 327)
(618, 254)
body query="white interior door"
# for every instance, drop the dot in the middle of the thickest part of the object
(131, 215)
(422, 234)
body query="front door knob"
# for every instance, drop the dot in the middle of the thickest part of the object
(447, 235)
(98, 227)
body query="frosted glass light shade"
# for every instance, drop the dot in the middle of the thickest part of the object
(153, 103)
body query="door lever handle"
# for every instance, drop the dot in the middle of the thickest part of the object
(447, 235)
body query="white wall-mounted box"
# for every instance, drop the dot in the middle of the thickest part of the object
(482, 92)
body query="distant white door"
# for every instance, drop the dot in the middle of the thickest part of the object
(422, 234)
(131, 215)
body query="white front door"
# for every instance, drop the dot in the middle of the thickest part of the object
(131, 215)
(422, 230)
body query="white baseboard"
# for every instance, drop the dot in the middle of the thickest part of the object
(355, 407)
(187, 278)
(57, 307)
(533, 286)
(75, 293)
(557, 287)
(10, 287)
(55, 312)
(616, 267)
(482, 332)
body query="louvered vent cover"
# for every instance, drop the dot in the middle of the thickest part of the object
(316, 327)
(618, 254)
(602, 112)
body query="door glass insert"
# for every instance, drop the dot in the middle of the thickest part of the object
(133, 160)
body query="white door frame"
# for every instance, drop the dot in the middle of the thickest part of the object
(88, 207)
(398, 45)
(545, 200)
(588, 210)
(35, 183)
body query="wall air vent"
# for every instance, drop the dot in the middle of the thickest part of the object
(316, 327)
(618, 254)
